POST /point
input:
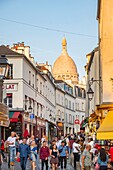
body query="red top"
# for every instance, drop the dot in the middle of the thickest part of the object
(2, 145)
(44, 152)
(111, 153)
(71, 143)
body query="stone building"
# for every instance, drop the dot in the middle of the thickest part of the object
(64, 67)
(65, 70)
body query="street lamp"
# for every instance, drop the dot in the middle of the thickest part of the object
(4, 67)
(30, 108)
(90, 92)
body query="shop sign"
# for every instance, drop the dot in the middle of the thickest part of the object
(11, 87)
(60, 124)
(4, 117)
(32, 116)
(77, 122)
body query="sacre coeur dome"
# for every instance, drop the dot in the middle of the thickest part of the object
(64, 67)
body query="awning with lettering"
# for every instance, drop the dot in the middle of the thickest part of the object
(13, 116)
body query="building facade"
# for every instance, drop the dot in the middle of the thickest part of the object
(37, 101)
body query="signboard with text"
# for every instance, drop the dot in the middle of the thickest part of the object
(4, 115)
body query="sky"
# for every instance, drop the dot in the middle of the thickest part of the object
(76, 20)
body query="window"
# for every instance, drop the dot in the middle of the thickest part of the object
(33, 107)
(29, 78)
(66, 117)
(73, 106)
(82, 106)
(82, 117)
(33, 80)
(40, 88)
(62, 101)
(10, 72)
(37, 84)
(46, 91)
(66, 103)
(69, 104)
(37, 109)
(8, 100)
(70, 118)
(59, 98)
(25, 102)
(78, 106)
(43, 90)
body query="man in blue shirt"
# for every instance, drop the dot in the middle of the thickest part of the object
(24, 151)
(63, 154)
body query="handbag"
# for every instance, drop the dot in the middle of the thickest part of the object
(18, 159)
(97, 166)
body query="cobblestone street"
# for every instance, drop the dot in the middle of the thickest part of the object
(28, 167)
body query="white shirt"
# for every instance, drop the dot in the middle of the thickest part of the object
(11, 140)
(76, 145)
(67, 142)
(92, 145)
(58, 143)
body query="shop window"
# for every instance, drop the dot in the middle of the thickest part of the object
(8, 100)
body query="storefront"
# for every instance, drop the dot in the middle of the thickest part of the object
(52, 131)
(29, 122)
(60, 129)
(41, 127)
(15, 118)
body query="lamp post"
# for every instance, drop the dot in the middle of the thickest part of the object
(4, 67)
(90, 92)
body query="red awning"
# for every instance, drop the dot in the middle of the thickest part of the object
(14, 117)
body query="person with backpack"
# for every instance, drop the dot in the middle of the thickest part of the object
(63, 155)
(103, 159)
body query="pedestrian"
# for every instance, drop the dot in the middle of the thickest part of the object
(86, 158)
(76, 152)
(2, 148)
(54, 153)
(91, 142)
(53, 143)
(111, 153)
(33, 154)
(103, 159)
(23, 153)
(44, 154)
(67, 143)
(63, 154)
(12, 147)
(38, 143)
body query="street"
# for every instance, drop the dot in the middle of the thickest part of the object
(28, 167)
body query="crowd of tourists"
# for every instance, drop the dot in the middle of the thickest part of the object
(83, 152)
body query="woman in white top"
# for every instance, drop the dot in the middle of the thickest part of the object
(76, 152)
